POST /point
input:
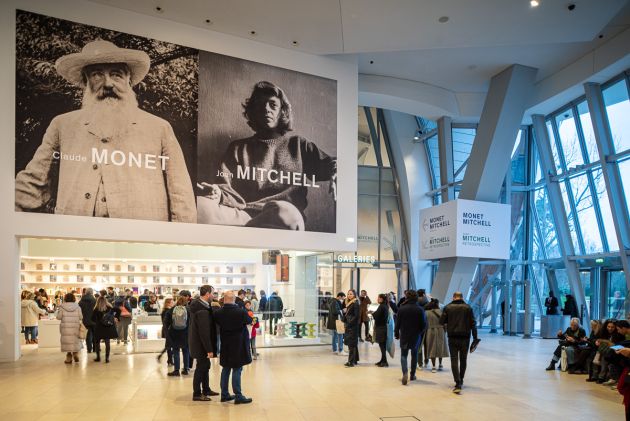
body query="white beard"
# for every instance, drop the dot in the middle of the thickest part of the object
(109, 117)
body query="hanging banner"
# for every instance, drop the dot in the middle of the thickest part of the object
(465, 228)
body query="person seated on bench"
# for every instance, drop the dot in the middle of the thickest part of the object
(608, 337)
(571, 338)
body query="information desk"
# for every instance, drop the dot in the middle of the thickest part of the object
(49, 336)
(146, 334)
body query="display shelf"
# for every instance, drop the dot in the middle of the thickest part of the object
(114, 273)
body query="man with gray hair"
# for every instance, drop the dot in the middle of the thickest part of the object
(235, 348)
(460, 323)
(87, 304)
(110, 158)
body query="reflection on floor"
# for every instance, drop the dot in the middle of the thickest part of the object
(506, 380)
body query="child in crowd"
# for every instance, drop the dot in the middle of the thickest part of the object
(254, 327)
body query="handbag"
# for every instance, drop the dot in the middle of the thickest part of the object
(82, 331)
(340, 327)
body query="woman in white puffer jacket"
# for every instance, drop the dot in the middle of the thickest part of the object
(70, 315)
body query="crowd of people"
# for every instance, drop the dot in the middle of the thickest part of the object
(603, 355)
(195, 329)
(425, 330)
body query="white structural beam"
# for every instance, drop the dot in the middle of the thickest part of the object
(489, 161)
(445, 147)
(548, 167)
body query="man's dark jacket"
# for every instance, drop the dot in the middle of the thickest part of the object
(202, 334)
(410, 324)
(235, 349)
(459, 319)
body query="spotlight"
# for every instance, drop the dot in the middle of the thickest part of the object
(417, 135)
(534, 3)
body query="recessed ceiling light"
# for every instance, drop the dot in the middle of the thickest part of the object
(534, 3)
(253, 33)
(208, 22)
(443, 19)
(159, 9)
(350, 239)
(371, 61)
(295, 43)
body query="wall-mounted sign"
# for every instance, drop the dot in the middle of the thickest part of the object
(465, 228)
(355, 259)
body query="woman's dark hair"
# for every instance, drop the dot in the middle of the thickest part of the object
(69, 298)
(383, 297)
(341, 294)
(261, 92)
(433, 304)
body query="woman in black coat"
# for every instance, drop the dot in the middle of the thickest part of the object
(178, 337)
(380, 317)
(168, 304)
(103, 330)
(352, 324)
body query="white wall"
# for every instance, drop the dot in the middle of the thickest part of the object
(16, 224)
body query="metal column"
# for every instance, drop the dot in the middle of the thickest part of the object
(493, 309)
(527, 326)
(543, 142)
(445, 148)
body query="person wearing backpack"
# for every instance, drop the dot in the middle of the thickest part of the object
(104, 318)
(177, 321)
(123, 304)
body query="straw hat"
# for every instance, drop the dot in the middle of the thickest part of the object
(99, 52)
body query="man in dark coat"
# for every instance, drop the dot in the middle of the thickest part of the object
(365, 320)
(460, 323)
(235, 348)
(275, 307)
(240, 299)
(410, 325)
(202, 342)
(87, 304)
(551, 304)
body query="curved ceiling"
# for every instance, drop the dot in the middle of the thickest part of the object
(404, 39)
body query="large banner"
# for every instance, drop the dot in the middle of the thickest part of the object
(115, 125)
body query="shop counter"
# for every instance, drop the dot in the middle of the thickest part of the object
(49, 336)
(146, 334)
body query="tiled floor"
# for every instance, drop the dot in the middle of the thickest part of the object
(506, 380)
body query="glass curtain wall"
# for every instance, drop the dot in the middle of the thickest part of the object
(536, 254)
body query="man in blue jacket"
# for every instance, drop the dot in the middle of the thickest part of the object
(410, 325)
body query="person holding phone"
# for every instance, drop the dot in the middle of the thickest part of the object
(571, 338)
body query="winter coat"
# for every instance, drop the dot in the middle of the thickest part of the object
(30, 313)
(178, 337)
(435, 336)
(459, 319)
(410, 324)
(235, 344)
(570, 307)
(275, 306)
(380, 317)
(352, 323)
(365, 302)
(100, 330)
(334, 313)
(165, 328)
(87, 304)
(262, 306)
(202, 333)
(255, 304)
(70, 315)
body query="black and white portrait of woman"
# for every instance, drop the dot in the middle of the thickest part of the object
(266, 157)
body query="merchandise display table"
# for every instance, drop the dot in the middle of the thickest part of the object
(49, 336)
(146, 334)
